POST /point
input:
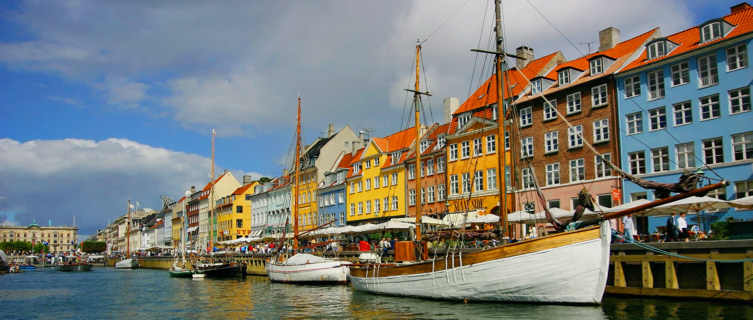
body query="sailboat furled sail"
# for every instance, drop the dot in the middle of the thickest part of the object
(541, 270)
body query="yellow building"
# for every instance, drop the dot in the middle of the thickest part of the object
(177, 222)
(376, 183)
(58, 239)
(234, 213)
(308, 212)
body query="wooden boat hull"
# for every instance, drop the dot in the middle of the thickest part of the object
(181, 273)
(127, 264)
(569, 267)
(74, 267)
(231, 270)
(332, 272)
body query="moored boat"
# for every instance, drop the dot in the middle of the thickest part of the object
(129, 263)
(307, 268)
(220, 269)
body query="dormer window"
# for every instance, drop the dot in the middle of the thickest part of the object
(597, 66)
(424, 145)
(657, 49)
(463, 119)
(711, 31)
(442, 141)
(564, 76)
(396, 157)
(356, 167)
(536, 86)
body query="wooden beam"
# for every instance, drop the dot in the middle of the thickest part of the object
(748, 273)
(619, 274)
(712, 277)
(647, 278)
(682, 293)
(670, 276)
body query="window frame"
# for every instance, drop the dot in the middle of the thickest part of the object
(686, 111)
(599, 92)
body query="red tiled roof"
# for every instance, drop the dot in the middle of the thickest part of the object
(396, 141)
(242, 189)
(687, 40)
(353, 159)
(436, 130)
(621, 53)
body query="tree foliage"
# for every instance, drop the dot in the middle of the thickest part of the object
(90, 246)
(10, 246)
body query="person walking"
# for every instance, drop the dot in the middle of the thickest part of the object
(627, 222)
(671, 229)
(682, 227)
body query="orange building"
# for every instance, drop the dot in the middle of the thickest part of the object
(433, 173)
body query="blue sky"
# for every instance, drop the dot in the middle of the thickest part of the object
(120, 80)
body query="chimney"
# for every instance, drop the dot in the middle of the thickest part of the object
(525, 55)
(193, 189)
(247, 179)
(739, 8)
(450, 105)
(330, 130)
(608, 38)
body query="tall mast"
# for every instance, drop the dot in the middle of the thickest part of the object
(297, 168)
(211, 199)
(500, 57)
(416, 101)
(184, 231)
(128, 231)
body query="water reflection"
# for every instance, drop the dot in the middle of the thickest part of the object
(135, 294)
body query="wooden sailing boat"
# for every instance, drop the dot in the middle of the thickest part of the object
(128, 262)
(303, 267)
(565, 267)
(180, 270)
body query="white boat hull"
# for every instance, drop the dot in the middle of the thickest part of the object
(127, 264)
(322, 272)
(573, 273)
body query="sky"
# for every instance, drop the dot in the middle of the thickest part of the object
(106, 101)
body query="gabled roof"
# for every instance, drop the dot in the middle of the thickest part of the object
(396, 141)
(353, 159)
(432, 135)
(687, 40)
(242, 189)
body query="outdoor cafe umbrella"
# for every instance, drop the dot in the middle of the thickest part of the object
(743, 203)
(688, 204)
(525, 217)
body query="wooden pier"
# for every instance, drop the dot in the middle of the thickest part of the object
(641, 272)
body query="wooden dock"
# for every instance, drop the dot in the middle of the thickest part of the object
(641, 272)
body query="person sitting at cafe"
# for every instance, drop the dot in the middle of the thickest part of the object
(682, 227)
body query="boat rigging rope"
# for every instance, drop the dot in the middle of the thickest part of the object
(615, 233)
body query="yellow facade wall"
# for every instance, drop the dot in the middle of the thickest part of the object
(361, 205)
(308, 210)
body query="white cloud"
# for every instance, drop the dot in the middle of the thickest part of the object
(57, 179)
(121, 91)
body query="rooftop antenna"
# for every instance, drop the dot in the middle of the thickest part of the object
(587, 44)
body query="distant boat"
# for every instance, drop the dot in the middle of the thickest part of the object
(74, 267)
(128, 263)
(4, 267)
(219, 270)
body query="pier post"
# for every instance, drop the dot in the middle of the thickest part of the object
(647, 277)
(748, 272)
(670, 275)
(619, 274)
(712, 277)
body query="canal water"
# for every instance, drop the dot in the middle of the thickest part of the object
(106, 293)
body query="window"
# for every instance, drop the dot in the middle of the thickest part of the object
(352, 187)
(367, 163)
(465, 149)
(575, 136)
(599, 96)
(454, 184)
(525, 117)
(477, 147)
(632, 86)
(440, 165)
(526, 147)
(368, 206)
(491, 178)
(739, 100)
(386, 204)
(527, 178)
(441, 142)
(637, 161)
(553, 203)
(683, 113)
(412, 197)
(573, 103)
(376, 162)
(463, 119)
(478, 181)
(491, 144)
(466, 182)
(577, 170)
(536, 86)
(552, 174)
(743, 189)
(359, 186)
(441, 194)
(385, 182)
(549, 112)
(707, 73)
(563, 76)
(394, 203)
(411, 171)
(394, 178)
(634, 123)
(680, 74)
(430, 194)
(425, 145)
(709, 106)
(597, 66)
(655, 84)
(638, 196)
(657, 119)
(360, 208)
(340, 197)
(551, 141)
(742, 146)
(711, 31)
(601, 130)
(657, 49)
(377, 206)
(356, 167)
(396, 157)
(712, 151)
(507, 140)
(602, 169)
(376, 182)
(239, 209)
(429, 167)
(737, 57)
(685, 155)
(368, 184)
(660, 159)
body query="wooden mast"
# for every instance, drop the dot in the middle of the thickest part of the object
(416, 101)
(211, 200)
(128, 231)
(501, 155)
(297, 169)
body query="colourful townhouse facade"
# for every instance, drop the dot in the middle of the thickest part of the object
(433, 191)
(260, 203)
(556, 156)
(684, 105)
(377, 188)
(473, 175)
(234, 213)
(177, 222)
(332, 193)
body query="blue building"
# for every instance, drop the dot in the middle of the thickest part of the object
(332, 193)
(684, 104)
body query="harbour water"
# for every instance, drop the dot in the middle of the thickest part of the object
(106, 293)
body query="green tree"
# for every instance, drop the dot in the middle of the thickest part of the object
(90, 246)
